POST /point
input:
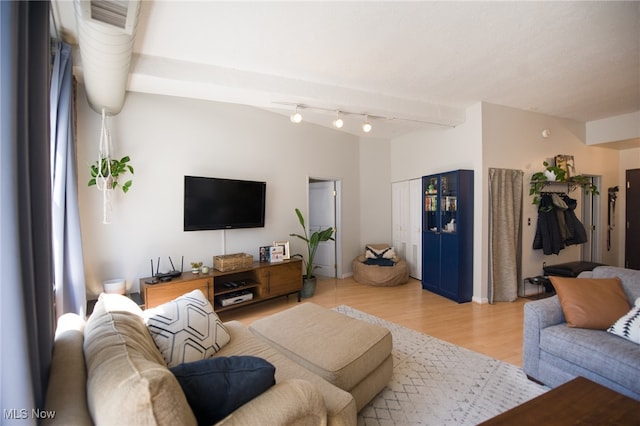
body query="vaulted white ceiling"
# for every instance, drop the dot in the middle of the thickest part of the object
(411, 62)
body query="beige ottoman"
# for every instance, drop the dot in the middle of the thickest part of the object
(351, 354)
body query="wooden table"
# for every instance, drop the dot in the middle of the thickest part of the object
(579, 401)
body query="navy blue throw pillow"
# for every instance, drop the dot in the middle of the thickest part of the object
(379, 262)
(216, 387)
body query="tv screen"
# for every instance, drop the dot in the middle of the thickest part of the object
(213, 203)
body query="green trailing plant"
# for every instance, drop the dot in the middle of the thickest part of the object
(312, 243)
(118, 168)
(541, 179)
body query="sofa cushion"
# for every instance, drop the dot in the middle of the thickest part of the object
(630, 279)
(590, 302)
(628, 327)
(597, 351)
(186, 329)
(67, 386)
(128, 381)
(215, 387)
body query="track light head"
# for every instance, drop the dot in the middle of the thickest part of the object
(338, 123)
(296, 117)
(366, 126)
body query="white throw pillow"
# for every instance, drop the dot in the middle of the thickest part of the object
(380, 253)
(628, 326)
(186, 329)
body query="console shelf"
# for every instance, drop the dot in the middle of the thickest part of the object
(265, 280)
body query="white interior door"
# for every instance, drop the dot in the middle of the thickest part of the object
(414, 251)
(406, 217)
(399, 217)
(322, 215)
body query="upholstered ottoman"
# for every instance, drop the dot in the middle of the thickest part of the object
(351, 354)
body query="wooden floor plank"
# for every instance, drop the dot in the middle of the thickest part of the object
(494, 330)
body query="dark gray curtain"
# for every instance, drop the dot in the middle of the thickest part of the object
(26, 303)
(67, 243)
(505, 234)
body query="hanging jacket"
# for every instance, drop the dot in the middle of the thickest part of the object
(560, 206)
(575, 227)
(548, 236)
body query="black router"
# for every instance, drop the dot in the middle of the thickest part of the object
(164, 276)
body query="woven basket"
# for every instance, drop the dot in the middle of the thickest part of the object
(231, 262)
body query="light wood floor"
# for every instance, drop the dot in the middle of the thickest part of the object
(494, 330)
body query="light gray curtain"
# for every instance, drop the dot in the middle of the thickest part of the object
(26, 300)
(67, 242)
(505, 234)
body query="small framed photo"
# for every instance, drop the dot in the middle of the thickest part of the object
(276, 254)
(264, 253)
(566, 163)
(285, 248)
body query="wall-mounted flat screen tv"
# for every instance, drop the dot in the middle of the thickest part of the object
(213, 203)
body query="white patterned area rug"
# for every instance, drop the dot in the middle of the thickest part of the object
(438, 383)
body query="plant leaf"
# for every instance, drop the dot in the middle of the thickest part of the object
(300, 236)
(300, 218)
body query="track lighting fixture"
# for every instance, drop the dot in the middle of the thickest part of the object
(366, 126)
(296, 117)
(338, 123)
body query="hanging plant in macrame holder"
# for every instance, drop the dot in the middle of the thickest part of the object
(107, 170)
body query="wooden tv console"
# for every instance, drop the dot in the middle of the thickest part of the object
(264, 280)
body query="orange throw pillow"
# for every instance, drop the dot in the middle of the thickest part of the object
(594, 303)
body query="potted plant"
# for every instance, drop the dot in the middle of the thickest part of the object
(309, 280)
(111, 169)
(195, 267)
(557, 174)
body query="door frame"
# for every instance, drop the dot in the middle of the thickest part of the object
(338, 217)
(592, 221)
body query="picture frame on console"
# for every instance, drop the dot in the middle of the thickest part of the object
(285, 248)
(276, 254)
(264, 254)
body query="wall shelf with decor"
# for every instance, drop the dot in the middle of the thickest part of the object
(559, 178)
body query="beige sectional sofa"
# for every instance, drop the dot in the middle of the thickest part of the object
(108, 370)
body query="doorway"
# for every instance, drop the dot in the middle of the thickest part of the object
(632, 221)
(324, 212)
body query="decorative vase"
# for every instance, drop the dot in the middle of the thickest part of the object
(551, 176)
(308, 287)
(195, 270)
(115, 286)
(205, 269)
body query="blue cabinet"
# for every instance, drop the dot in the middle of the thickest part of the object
(447, 234)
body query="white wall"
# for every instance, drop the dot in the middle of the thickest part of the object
(375, 191)
(512, 139)
(441, 150)
(169, 137)
(495, 136)
(612, 129)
